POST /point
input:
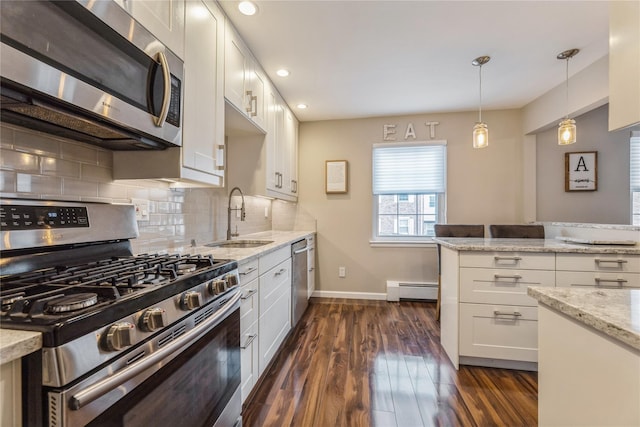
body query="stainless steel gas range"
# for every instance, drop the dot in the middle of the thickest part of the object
(127, 340)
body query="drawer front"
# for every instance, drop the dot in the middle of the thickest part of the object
(598, 262)
(248, 271)
(504, 332)
(249, 359)
(273, 327)
(597, 279)
(249, 304)
(270, 260)
(509, 260)
(502, 286)
(273, 283)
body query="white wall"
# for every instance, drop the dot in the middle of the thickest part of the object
(484, 186)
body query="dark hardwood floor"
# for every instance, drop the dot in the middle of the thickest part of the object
(373, 363)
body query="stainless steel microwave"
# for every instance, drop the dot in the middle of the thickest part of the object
(87, 70)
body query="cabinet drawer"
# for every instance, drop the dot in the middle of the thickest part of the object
(597, 279)
(273, 327)
(502, 286)
(249, 304)
(249, 359)
(598, 262)
(505, 332)
(519, 260)
(248, 271)
(270, 260)
(273, 283)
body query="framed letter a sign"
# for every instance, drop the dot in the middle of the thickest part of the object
(581, 171)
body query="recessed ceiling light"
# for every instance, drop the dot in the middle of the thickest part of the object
(302, 106)
(247, 8)
(282, 72)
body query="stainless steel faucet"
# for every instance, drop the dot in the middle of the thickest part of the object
(229, 209)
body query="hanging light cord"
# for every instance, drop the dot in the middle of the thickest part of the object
(480, 108)
(567, 87)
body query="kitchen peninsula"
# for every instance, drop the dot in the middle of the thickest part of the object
(488, 319)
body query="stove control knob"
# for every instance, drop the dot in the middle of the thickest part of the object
(232, 280)
(153, 319)
(190, 300)
(118, 336)
(217, 287)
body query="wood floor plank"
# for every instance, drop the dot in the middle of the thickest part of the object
(352, 363)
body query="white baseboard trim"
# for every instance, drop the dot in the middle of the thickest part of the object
(349, 295)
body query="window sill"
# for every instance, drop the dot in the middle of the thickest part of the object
(402, 244)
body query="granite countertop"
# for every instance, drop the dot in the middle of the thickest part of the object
(15, 344)
(614, 312)
(531, 245)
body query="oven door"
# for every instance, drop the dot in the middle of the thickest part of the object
(198, 386)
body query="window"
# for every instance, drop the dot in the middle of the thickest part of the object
(634, 169)
(409, 189)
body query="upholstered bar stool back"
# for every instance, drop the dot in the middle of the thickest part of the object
(453, 230)
(518, 231)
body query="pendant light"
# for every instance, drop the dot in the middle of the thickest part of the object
(567, 127)
(480, 130)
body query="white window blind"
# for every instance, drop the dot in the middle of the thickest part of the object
(634, 167)
(409, 168)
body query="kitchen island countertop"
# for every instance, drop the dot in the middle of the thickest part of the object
(532, 245)
(614, 312)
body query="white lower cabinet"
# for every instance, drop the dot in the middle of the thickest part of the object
(10, 396)
(249, 354)
(598, 270)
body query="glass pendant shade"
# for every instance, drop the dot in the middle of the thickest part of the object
(567, 132)
(480, 135)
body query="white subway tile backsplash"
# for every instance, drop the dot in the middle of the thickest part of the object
(96, 173)
(38, 184)
(113, 191)
(81, 153)
(6, 136)
(80, 188)
(35, 143)
(59, 167)
(7, 182)
(17, 161)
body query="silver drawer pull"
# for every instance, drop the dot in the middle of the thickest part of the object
(279, 272)
(500, 313)
(507, 276)
(248, 295)
(620, 282)
(250, 339)
(248, 271)
(507, 258)
(615, 261)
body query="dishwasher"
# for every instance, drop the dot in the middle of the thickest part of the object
(299, 293)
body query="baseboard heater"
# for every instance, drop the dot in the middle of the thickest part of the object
(411, 290)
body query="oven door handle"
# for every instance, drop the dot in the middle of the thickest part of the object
(93, 392)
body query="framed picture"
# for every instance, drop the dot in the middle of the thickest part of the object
(336, 176)
(581, 171)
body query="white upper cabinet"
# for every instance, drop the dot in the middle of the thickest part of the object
(244, 80)
(624, 64)
(164, 19)
(200, 160)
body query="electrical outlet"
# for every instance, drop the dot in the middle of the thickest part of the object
(342, 271)
(141, 207)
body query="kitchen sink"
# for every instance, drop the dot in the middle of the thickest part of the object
(239, 243)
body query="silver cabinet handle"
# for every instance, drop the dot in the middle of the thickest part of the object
(279, 272)
(249, 294)
(615, 261)
(102, 387)
(250, 339)
(248, 271)
(249, 109)
(500, 313)
(507, 276)
(299, 251)
(166, 76)
(507, 258)
(254, 103)
(620, 282)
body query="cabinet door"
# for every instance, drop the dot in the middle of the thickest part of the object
(291, 153)
(203, 132)
(274, 326)
(235, 69)
(256, 95)
(249, 359)
(164, 19)
(271, 151)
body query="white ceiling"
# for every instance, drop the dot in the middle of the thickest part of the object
(353, 59)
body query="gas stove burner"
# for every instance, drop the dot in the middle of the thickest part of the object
(69, 303)
(186, 268)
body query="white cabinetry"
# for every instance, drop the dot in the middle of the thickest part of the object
(10, 394)
(311, 265)
(200, 160)
(275, 303)
(497, 318)
(249, 312)
(244, 80)
(624, 64)
(164, 19)
(599, 270)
